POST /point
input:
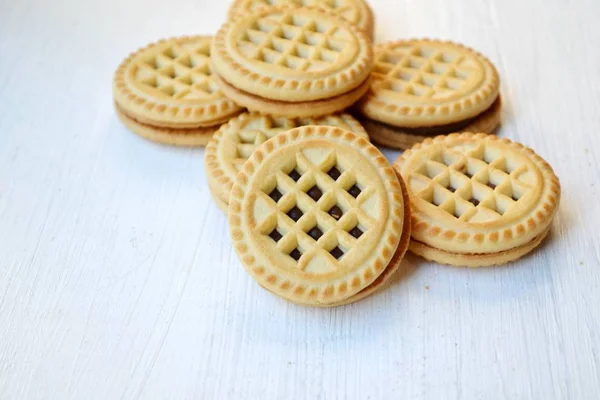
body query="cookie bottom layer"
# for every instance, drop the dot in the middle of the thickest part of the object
(187, 137)
(305, 109)
(404, 138)
(475, 260)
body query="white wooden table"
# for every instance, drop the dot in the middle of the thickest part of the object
(118, 281)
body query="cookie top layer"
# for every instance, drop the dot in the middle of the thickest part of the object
(169, 83)
(316, 214)
(292, 54)
(421, 82)
(235, 141)
(476, 193)
(356, 12)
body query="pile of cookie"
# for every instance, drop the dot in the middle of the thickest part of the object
(287, 97)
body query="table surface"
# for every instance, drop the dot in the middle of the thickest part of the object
(118, 280)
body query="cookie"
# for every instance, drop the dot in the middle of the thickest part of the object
(424, 88)
(292, 62)
(477, 200)
(166, 92)
(356, 12)
(233, 144)
(394, 263)
(219, 202)
(317, 215)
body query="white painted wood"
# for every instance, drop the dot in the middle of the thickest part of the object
(117, 279)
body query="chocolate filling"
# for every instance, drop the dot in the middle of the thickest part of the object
(294, 175)
(176, 129)
(315, 233)
(336, 252)
(354, 191)
(334, 173)
(474, 201)
(439, 129)
(275, 195)
(356, 232)
(336, 212)
(275, 235)
(295, 213)
(315, 193)
(295, 254)
(478, 254)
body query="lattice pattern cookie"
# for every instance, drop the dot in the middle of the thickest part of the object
(170, 84)
(429, 83)
(303, 58)
(233, 144)
(316, 215)
(356, 12)
(477, 199)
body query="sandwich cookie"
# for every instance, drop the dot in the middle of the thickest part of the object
(477, 200)
(318, 216)
(235, 141)
(356, 12)
(166, 92)
(292, 62)
(424, 88)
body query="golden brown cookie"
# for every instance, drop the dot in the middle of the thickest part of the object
(233, 144)
(356, 12)
(292, 62)
(428, 87)
(166, 92)
(477, 200)
(317, 215)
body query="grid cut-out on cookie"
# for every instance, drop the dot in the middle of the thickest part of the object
(475, 184)
(258, 130)
(345, 8)
(423, 71)
(182, 71)
(295, 42)
(316, 208)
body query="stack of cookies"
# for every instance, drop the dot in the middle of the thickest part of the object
(287, 98)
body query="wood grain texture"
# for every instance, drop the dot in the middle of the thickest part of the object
(118, 280)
